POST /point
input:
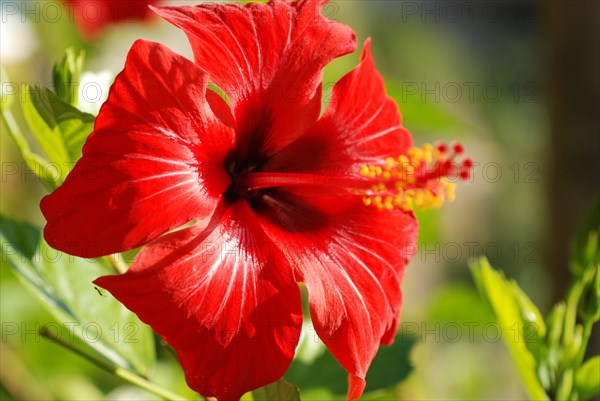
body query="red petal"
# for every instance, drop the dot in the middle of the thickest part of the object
(224, 298)
(92, 15)
(220, 107)
(362, 125)
(268, 59)
(352, 259)
(153, 162)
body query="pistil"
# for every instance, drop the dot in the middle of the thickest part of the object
(262, 180)
(422, 177)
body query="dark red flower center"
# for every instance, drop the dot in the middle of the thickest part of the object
(238, 189)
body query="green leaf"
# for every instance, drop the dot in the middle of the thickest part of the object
(47, 173)
(66, 76)
(64, 284)
(517, 317)
(60, 129)
(281, 390)
(587, 379)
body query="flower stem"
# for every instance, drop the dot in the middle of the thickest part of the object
(118, 371)
(570, 321)
(587, 332)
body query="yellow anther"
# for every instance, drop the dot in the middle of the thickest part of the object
(416, 178)
(415, 153)
(428, 153)
(403, 160)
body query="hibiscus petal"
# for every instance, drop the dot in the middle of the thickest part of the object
(220, 107)
(362, 125)
(352, 260)
(223, 297)
(92, 16)
(153, 162)
(268, 59)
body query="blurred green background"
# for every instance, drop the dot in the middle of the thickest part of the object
(515, 81)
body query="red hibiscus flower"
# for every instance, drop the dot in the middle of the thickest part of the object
(91, 16)
(277, 195)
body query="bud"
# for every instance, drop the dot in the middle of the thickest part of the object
(584, 249)
(529, 312)
(571, 350)
(66, 75)
(589, 304)
(555, 325)
(590, 252)
(534, 327)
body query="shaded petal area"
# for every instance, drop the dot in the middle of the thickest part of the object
(223, 297)
(153, 162)
(352, 260)
(362, 125)
(268, 59)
